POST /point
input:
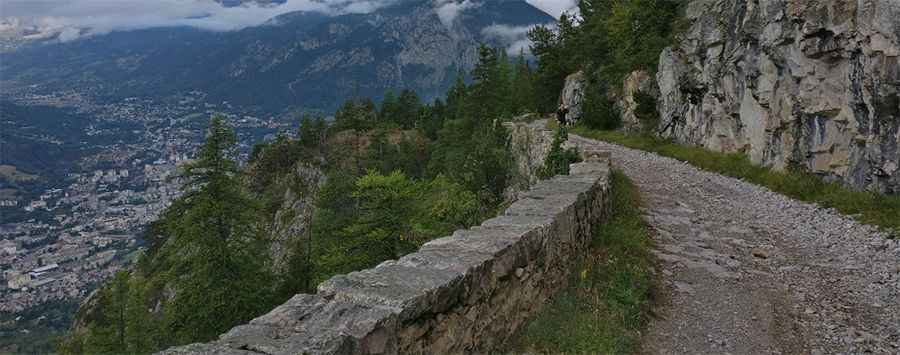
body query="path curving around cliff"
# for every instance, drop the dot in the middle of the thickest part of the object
(748, 271)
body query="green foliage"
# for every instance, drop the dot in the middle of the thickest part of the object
(358, 114)
(397, 175)
(405, 155)
(471, 148)
(558, 159)
(384, 217)
(221, 278)
(271, 160)
(600, 112)
(209, 246)
(611, 39)
(401, 111)
(638, 30)
(45, 323)
(646, 112)
(866, 207)
(522, 92)
(311, 134)
(607, 304)
(385, 210)
(405, 192)
(557, 59)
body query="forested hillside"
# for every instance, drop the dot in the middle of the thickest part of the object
(395, 175)
(607, 41)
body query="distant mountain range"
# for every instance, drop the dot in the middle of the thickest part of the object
(300, 60)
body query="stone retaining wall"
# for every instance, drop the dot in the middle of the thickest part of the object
(465, 293)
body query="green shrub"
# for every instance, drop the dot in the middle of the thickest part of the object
(646, 112)
(599, 111)
(558, 160)
(607, 303)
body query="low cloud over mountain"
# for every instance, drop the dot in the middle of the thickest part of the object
(68, 20)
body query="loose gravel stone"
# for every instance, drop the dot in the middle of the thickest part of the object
(833, 286)
(759, 253)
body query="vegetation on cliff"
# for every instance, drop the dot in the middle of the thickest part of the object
(609, 296)
(395, 176)
(558, 158)
(608, 40)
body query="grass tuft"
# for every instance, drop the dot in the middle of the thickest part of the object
(867, 207)
(607, 303)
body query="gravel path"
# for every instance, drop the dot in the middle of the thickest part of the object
(749, 271)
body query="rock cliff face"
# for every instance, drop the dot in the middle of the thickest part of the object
(529, 142)
(292, 221)
(792, 83)
(636, 81)
(572, 95)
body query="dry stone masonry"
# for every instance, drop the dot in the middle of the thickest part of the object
(806, 83)
(464, 293)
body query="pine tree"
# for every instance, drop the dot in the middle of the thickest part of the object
(220, 273)
(522, 88)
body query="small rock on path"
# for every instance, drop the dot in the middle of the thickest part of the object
(748, 271)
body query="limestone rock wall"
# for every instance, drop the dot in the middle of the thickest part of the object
(572, 95)
(634, 82)
(530, 142)
(807, 83)
(465, 293)
(293, 219)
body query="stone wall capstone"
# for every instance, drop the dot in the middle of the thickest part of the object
(464, 293)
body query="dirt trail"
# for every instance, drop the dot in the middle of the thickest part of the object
(749, 271)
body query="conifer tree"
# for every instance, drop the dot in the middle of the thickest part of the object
(220, 274)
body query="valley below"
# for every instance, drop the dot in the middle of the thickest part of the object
(79, 183)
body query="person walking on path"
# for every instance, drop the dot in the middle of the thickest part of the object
(561, 114)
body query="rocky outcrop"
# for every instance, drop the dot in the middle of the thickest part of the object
(635, 82)
(572, 95)
(529, 142)
(292, 221)
(466, 293)
(792, 83)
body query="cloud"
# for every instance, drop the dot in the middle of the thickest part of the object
(73, 19)
(514, 37)
(554, 7)
(69, 20)
(448, 10)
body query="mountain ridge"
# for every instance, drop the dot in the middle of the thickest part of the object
(296, 60)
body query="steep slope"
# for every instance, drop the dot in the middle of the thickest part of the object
(305, 60)
(793, 83)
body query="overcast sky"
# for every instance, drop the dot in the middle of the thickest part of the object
(76, 18)
(554, 7)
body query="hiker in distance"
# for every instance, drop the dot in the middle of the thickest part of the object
(561, 114)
